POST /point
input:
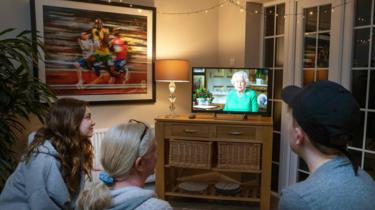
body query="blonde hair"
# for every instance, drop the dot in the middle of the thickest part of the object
(120, 147)
(240, 76)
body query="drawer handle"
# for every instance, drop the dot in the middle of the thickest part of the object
(236, 133)
(190, 131)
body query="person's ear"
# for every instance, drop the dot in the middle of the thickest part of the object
(139, 163)
(299, 135)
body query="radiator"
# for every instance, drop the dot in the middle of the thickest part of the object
(96, 142)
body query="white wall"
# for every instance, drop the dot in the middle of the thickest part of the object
(231, 40)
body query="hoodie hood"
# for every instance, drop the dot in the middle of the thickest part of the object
(47, 148)
(129, 198)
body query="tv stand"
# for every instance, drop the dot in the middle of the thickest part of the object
(212, 151)
(230, 117)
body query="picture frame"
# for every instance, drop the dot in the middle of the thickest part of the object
(101, 52)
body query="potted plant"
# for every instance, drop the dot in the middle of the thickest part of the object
(20, 93)
(202, 96)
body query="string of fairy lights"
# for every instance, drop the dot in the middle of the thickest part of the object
(241, 7)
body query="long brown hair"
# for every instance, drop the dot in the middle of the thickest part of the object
(62, 129)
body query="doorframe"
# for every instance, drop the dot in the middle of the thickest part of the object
(342, 22)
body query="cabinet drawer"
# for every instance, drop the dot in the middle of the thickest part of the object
(235, 132)
(185, 130)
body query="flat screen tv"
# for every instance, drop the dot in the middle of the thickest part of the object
(231, 90)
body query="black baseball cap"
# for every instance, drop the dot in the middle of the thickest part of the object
(326, 111)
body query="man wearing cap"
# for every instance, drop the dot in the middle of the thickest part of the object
(325, 118)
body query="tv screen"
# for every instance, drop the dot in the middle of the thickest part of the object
(231, 90)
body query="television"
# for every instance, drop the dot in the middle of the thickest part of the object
(231, 90)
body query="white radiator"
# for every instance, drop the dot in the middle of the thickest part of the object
(96, 142)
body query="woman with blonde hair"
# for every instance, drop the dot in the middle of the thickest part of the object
(128, 156)
(52, 171)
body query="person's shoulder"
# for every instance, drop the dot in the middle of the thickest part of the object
(292, 198)
(155, 204)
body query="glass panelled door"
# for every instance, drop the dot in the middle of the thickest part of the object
(318, 45)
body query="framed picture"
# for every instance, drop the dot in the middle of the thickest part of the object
(98, 52)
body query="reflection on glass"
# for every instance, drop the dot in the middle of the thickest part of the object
(321, 74)
(302, 165)
(277, 116)
(275, 178)
(325, 17)
(358, 136)
(361, 47)
(276, 147)
(359, 85)
(363, 12)
(373, 48)
(268, 54)
(279, 57)
(369, 164)
(308, 76)
(370, 131)
(310, 17)
(280, 18)
(371, 95)
(269, 16)
(323, 50)
(309, 51)
(278, 83)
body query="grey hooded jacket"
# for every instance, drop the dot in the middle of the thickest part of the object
(37, 184)
(135, 198)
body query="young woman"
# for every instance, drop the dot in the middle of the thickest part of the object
(52, 171)
(128, 156)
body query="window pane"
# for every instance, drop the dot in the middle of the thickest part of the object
(323, 50)
(361, 47)
(321, 74)
(369, 164)
(280, 18)
(310, 17)
(302, 176)
(373, 48)
(371, 99)
(277, 116)
(278, 84)
(275, 178)
(309, 51)
(358, 136)
(308, 76)
(270, 21)
(370, 140)
(325, 17)
(359, 84)
(276, 147)
(268, 54)
(279, 57)
(363, 12)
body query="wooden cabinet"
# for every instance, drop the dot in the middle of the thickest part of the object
(208, 150)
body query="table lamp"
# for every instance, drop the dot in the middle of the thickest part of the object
(172, 70)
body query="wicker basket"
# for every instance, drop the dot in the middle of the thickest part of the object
(238, 156)
(190, 154)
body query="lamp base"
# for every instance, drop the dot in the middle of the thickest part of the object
(171, 115)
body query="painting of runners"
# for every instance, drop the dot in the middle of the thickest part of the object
(97, 51)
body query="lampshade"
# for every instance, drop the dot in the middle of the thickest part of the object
(172, 70)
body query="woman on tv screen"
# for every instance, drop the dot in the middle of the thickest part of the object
(241, 99)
